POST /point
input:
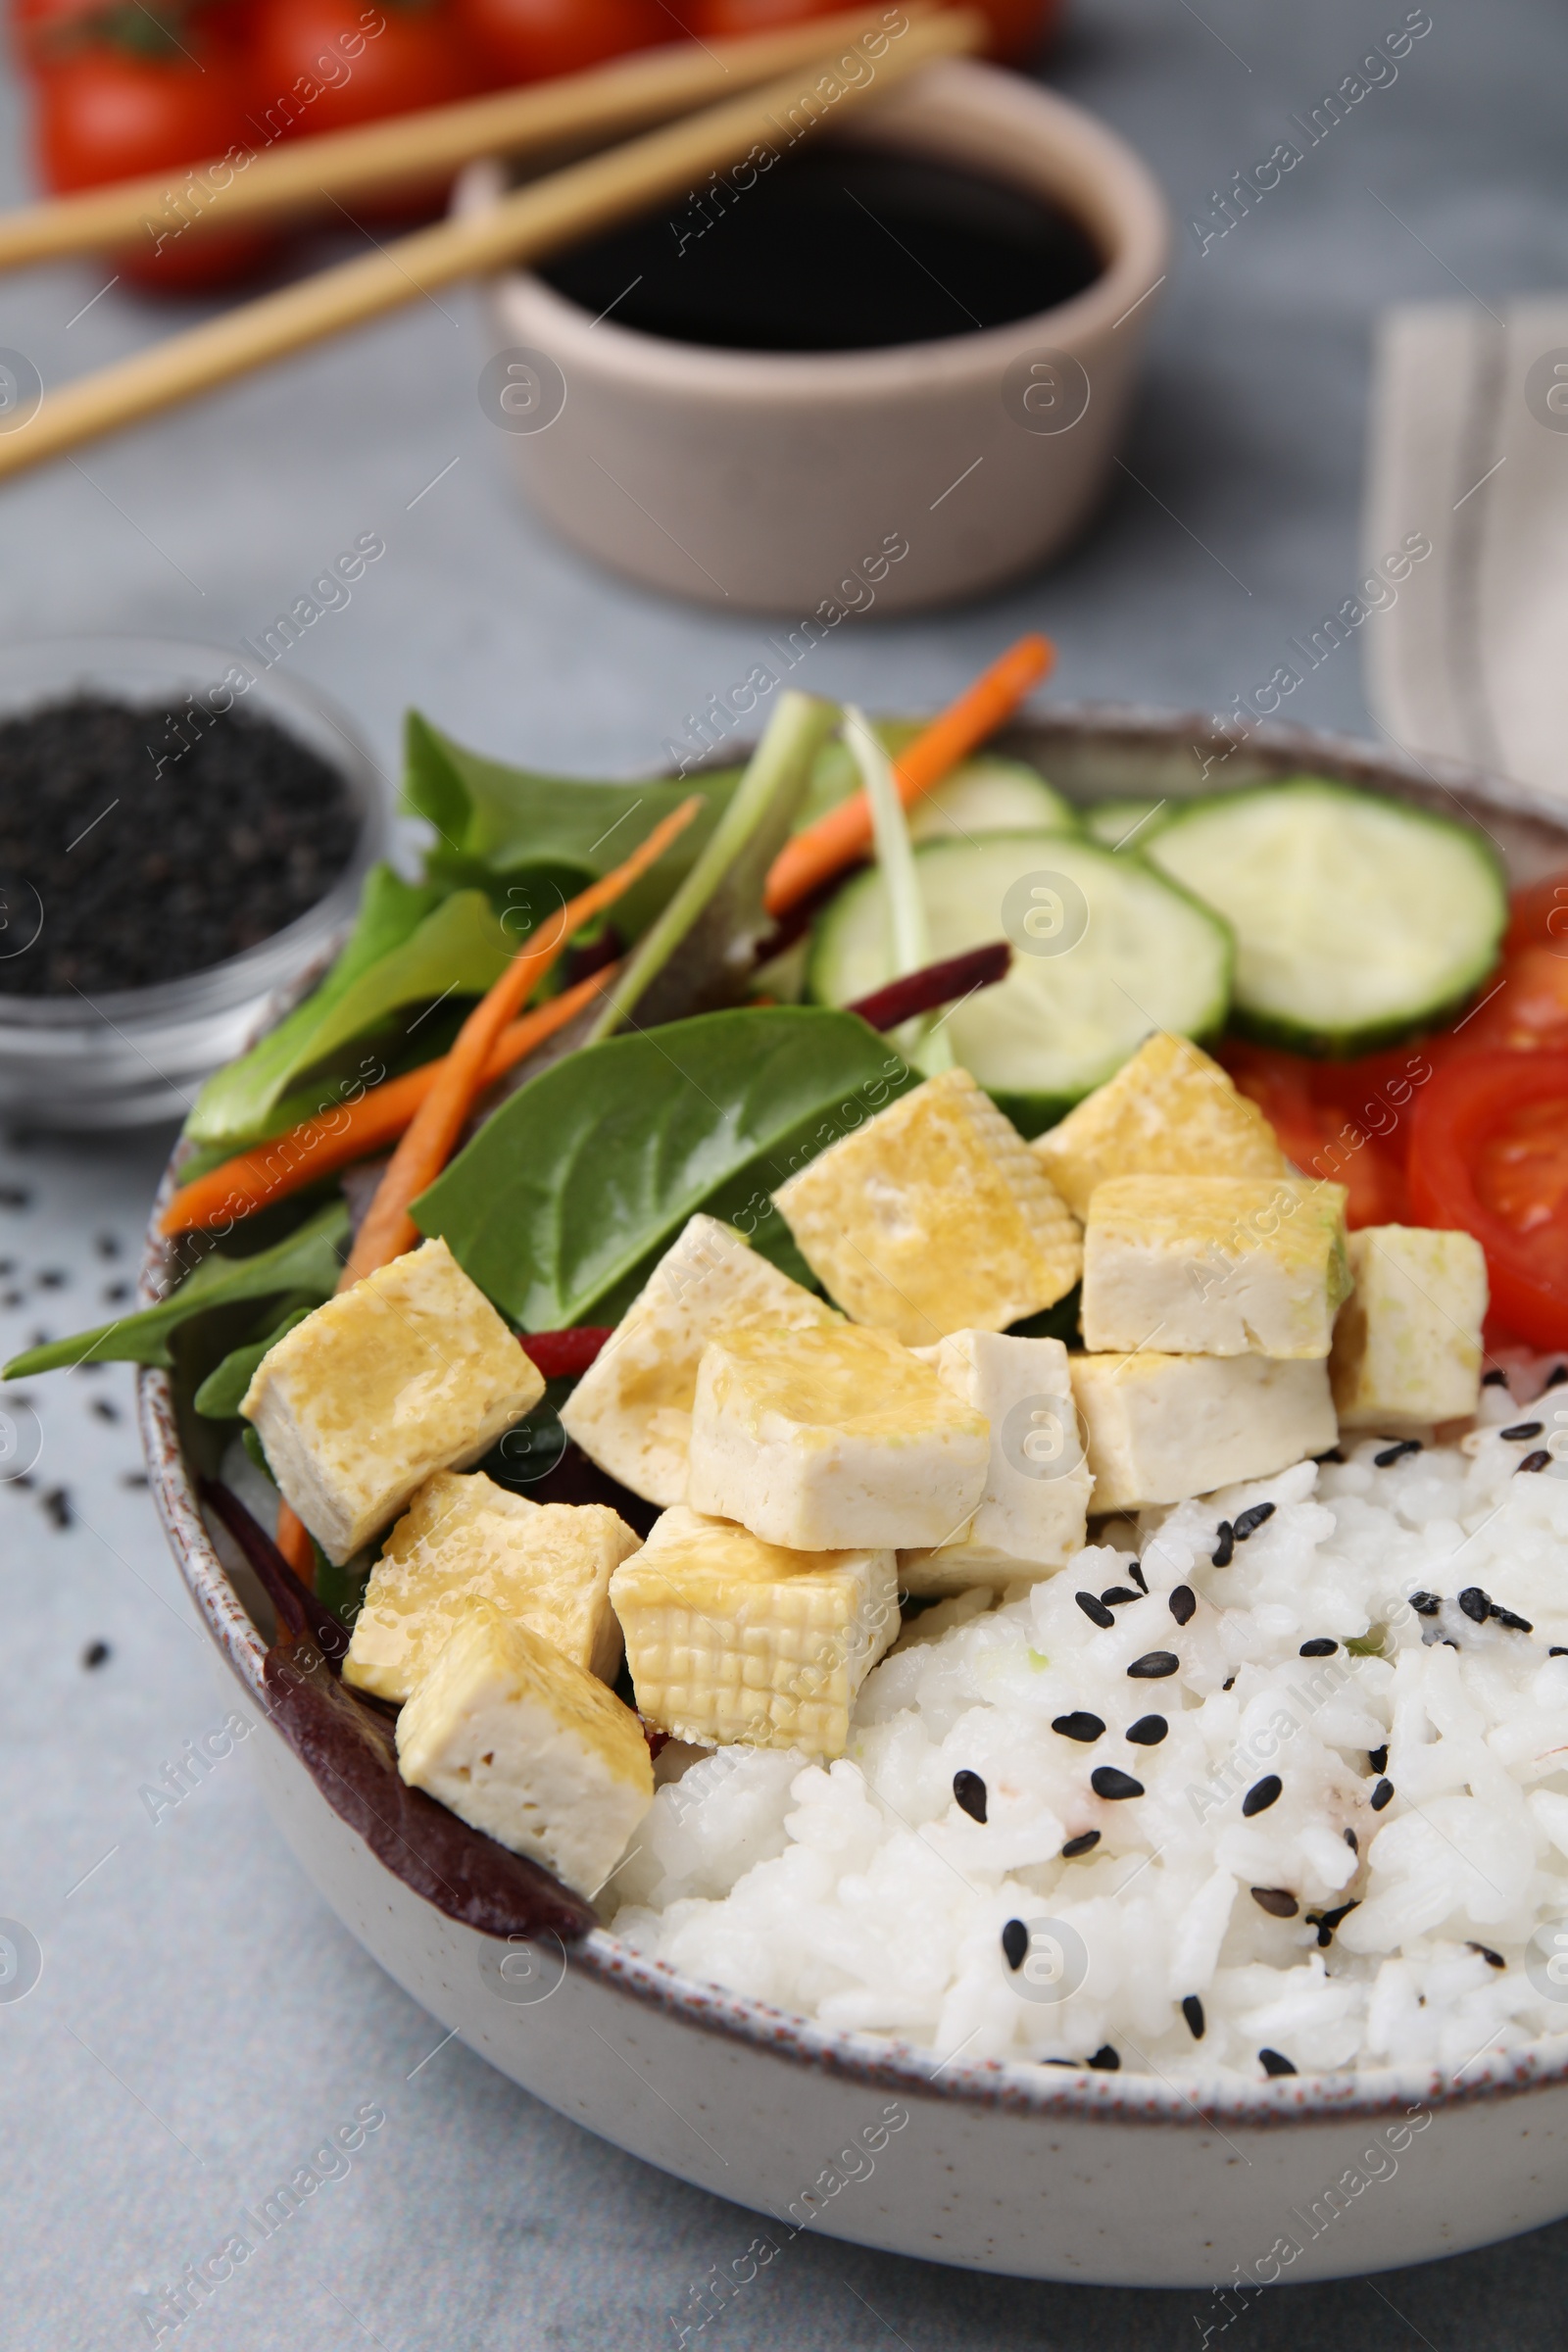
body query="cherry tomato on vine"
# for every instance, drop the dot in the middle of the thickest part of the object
(530, 40)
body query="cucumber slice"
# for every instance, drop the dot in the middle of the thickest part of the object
(991, 795)
(1123, 825)
(1358, 919)
(984, 795)
(1137, 954)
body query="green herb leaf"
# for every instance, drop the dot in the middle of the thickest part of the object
(306, 1262)
(561, 1203)
(411, 944)
(700, 954)
(222, 1393)
(533, 840)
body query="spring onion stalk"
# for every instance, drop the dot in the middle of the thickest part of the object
(923, 1041)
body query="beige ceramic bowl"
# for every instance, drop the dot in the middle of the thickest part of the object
(771, 482)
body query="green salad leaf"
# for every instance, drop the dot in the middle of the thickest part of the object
(561, 1203)
(411, 944)
(222, 1391)
(308, 1263)
(531, 840)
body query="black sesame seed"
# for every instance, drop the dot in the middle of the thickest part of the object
(1273, 2063)
(1249, 1522)
(1492, 1959)
(1229, 1684)
(1448, 1641)
(1182, 1603)
(1425, 1604)
(1278, 1901)
(1080, 1724)
(1506, 1617)
(57, 1503)
(1104, 2060)
(1262, 1795)
(1063, 2062)
(11, 1299)
(1557, 1652)
(1352, 1842)
(1093, 1610)
(1494, 1379)
(1320, 1647)
(116, 1293)
(1147, 1731)
(969, 1794)
(107, 1245)
(1015, 1943)
(133, 1478)
(1476, 1605)
(1114, 1594)
(1326, 1922)
(1224, 1551)
(1381, 1796)
(1396, 1453)
(1134, 1571)
(1193, 2011)
(1535, 1461)
(15, 1195)
(97, 1653)
(53, 1278)
(103, 1409)
(1080, 1845)
(1378, 1758)
(1108, 1780)
(1155, 1665)
(1518, 1434)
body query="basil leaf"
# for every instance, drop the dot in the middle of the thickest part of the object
(533, 840)
(222, 1393)
(307, 1261)
(700, 954)
(564, 1200)
(410, 946)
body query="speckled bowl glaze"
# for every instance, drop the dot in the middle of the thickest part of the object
(1127, 2179)
(883, 481)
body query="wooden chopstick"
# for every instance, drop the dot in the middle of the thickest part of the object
(303, 175)
(523, 226)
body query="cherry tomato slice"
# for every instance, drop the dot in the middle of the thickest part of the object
(1346, 1122)
(1488, 1145)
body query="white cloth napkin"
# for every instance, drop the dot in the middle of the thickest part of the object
(1469, 452)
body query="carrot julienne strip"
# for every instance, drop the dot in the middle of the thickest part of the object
(843, 834)
(285, 1163)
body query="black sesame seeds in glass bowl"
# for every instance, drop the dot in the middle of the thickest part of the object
(183, 840)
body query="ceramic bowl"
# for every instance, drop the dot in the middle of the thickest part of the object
(775, 483)
(1125, 2178)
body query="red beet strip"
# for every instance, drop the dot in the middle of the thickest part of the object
(563, 1354)
(933, 985)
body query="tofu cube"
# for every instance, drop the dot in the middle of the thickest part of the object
(934, 1217)
(1162, 1428)
(828, 1441)
(1170, 1111)
(1214, 1265)
(465, 1540)
(631, 1412)
(731, 1638)
(525, 1746)
(410, 1372)
(1407, 1343)
(1031, 1517)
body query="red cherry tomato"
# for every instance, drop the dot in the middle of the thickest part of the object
(322, 64)
(1020, 29)
(105, 113)
(1346, 1122)
(529, 40)
(1489, 1153)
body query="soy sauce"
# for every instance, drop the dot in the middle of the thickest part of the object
(834, 249)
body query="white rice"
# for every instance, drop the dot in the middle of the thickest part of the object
(864, 1896)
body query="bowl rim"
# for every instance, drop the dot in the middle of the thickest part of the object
(255, 970)
(1128, 193)
(1018, 2086)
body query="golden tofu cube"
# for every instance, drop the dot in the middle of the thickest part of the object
(733, 1640)
(631, 1412)
(1407, 1343)
(525, 1746)
(824, 1440)
(462, 1541)
(1164, 1428)
(1030, 1519)
(934, 1217)
(1172, 1111)
(1214, 1265)
(409, 1372)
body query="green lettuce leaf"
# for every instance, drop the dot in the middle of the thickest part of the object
(222, 1393)
(563, 1201)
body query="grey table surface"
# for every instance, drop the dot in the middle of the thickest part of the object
(202, 2020)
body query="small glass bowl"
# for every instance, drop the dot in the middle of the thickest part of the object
(135, 1056)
